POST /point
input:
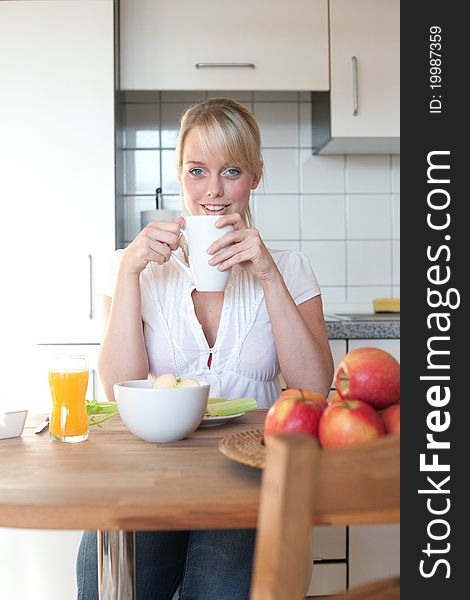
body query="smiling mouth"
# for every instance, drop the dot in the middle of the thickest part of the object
(214, 209)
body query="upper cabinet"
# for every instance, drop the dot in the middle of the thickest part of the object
(221, 45)
(362, 111)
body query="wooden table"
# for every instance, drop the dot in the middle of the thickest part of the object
(116, 484)
(115, 481)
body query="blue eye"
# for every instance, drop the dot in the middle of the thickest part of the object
(196, 171)
(233, 171)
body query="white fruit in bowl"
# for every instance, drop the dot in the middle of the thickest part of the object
(168, 380)
(188, 382)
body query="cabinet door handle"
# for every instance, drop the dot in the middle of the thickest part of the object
(355, 90)
(93, 383)
(90, 273)
(224, 65)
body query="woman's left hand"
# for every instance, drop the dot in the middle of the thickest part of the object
(243, 247)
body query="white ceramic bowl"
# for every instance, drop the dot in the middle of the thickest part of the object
(12, 423)
(160, 415)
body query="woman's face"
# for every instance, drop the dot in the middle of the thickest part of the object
(210, 186)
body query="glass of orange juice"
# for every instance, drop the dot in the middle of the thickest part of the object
(68, 380)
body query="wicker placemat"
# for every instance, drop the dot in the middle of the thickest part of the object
(245, 447)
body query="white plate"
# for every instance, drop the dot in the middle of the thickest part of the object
(210, 421)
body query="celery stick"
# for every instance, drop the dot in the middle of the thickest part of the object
(214, 400)
(98, 412)
(231, 407)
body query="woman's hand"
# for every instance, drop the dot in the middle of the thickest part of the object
(154, 243)
(247, 249)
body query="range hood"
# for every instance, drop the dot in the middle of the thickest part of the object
(324, 142)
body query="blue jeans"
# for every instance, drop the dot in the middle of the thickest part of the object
(210, 565)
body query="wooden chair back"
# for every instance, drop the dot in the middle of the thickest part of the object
(303, 485)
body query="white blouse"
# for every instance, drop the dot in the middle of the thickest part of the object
(244, 361)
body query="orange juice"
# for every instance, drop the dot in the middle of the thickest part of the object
(69, 419)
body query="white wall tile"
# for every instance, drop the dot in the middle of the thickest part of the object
(369, 263)
(171, 113)
(322, 217)
(278, 123)
(251, 205)
(396, 263)
(275, 96)
(172, 202)
(281, 171)
(170, 183)
(367, 293)
(142, 171)
(248, 106)
(347, 238)
(368, 216)
(321, 174)
(328, 260)
(267, 210)
(395, 173)
(183, 96)
(141, 96)
(395, 216)
(305, 109)
(141, 126)
(367, 174)
(282, 244)
(333, 294)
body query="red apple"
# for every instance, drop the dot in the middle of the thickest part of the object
(391, 419)
(306, 394)
(348, 423)
(295, 411)
(371, 375)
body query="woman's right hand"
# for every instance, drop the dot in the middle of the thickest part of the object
(154, 243)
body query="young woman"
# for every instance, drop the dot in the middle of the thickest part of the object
(268, 321)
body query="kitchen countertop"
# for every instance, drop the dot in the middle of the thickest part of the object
(363, 326)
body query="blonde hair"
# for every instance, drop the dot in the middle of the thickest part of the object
(227, 129)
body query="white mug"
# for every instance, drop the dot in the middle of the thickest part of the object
(199, 232)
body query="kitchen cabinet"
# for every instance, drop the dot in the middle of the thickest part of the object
(361, 113)
(366, 563)
(327, 579)
(390, 346)
(374, 553)
(329, 571)
(261, 45)
(38, 564)
(338, 350)
(57, 107)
